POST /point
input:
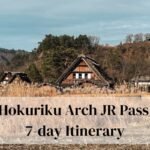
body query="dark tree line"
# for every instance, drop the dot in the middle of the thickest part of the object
(66, 41)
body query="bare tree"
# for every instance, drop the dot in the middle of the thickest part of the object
(94, 40)
(138, 37)
(129, 38)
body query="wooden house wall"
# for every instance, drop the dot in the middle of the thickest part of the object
(81, 68)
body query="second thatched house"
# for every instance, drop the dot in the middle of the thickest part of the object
(142, 82)
(84, 70)
(14, 77)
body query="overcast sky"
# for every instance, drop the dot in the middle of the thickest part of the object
(23, 23)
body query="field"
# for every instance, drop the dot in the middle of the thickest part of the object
(21, 90)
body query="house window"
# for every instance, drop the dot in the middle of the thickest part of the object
(83, 75)
(80, 75)
(77, 75)
(4, 82)
(89, 76)
(6, 78)
(86, 75)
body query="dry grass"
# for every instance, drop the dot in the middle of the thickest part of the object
(20, 90)
(122, 90)
(23, 90)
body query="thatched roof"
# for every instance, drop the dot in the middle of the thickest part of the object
(13, 75)
(92, 64)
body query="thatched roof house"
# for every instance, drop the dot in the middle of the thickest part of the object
(84, 70)
(142, 82)
(14, 77)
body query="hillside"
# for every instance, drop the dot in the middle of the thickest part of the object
(13, 59)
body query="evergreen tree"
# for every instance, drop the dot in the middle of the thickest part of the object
(34, 73)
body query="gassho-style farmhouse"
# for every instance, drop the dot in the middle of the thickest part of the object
(84, 70)
(14, 77)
